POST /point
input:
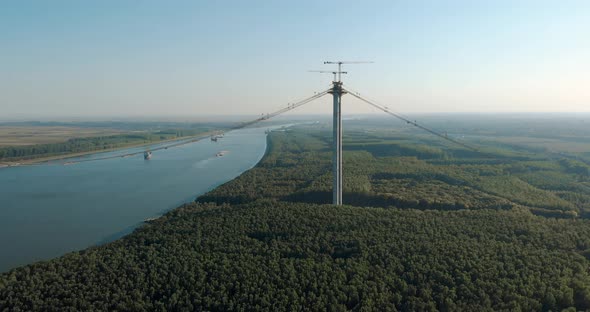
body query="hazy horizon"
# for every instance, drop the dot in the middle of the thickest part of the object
(288, 116)
(155, 60)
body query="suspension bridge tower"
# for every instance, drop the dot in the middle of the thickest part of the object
(337, 92)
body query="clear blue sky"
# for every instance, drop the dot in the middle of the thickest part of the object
(194, 58)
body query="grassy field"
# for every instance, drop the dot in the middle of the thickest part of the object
(24, 135)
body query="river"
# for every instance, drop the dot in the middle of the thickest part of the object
(49, 210)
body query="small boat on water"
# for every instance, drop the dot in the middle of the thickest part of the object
(147, 155)
(215, 137)
(220, 153)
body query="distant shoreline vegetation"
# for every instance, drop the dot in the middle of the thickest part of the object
(58, 140)
(90, 144)
(26, 142)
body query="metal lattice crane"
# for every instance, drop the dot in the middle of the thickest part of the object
(340, 63)
(328, 72)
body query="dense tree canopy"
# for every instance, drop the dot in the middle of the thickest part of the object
(419, 233)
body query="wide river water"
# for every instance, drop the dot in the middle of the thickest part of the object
(51, 209)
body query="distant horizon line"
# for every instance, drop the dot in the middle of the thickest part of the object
(225, 117)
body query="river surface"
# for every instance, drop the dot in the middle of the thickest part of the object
(49, 210)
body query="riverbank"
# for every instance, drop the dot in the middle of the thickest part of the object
(70, 208)
(34, 161)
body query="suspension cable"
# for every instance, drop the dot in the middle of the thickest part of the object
(414, 123)
(239, 126)
(281, 111)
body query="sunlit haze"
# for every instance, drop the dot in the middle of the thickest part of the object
(195, 58)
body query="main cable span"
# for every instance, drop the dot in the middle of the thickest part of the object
(239, 126)
(414, 123)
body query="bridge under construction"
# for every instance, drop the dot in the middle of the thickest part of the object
(337, 90)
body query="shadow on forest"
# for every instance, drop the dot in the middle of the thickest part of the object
(352, 199)
(370, 200)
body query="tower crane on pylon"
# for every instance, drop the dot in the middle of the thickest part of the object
(340, 63)
(328, 72)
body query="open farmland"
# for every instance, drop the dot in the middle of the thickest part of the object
(24, 135)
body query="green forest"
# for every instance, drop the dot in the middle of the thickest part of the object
(425, 227)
